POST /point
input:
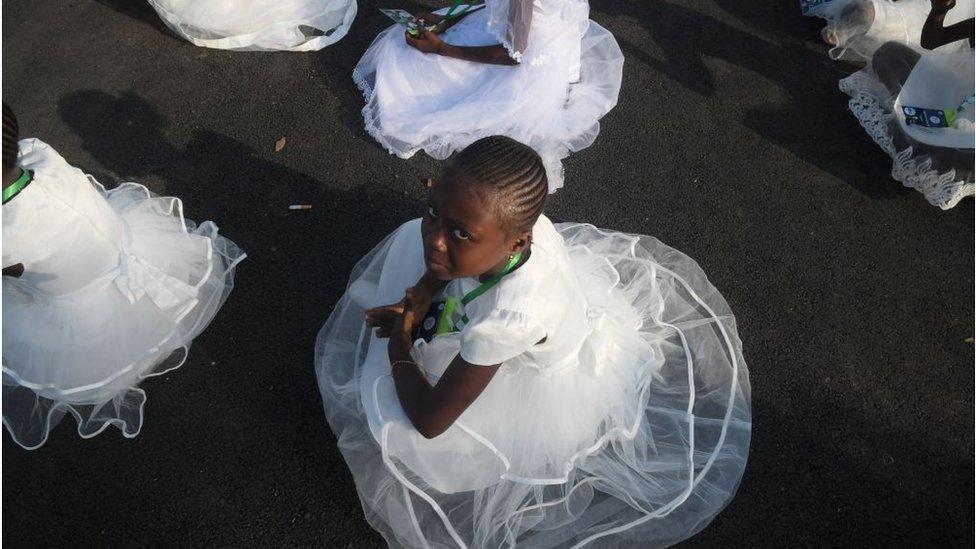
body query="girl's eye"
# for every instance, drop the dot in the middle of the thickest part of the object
(431, 212)
(461, 235)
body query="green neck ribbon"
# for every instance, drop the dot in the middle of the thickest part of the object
(26, 176)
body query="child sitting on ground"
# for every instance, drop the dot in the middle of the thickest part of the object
(105, 288)
(536, 384)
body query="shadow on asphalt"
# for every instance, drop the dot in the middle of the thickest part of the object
(274, 292)
(140, 11)
(813, 128)
(333, 64)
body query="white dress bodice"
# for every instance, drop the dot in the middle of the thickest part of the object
(534, 317)
(59, 226)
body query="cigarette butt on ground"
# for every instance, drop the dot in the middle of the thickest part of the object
(300, 207)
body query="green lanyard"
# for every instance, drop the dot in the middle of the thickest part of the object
(26, 176)
(444, 323)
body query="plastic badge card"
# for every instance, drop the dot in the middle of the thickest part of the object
(928, 118)
(402, 17)
(405, 18)
(438, 320)
(807, 5)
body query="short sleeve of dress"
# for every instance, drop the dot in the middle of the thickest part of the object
(499, 336)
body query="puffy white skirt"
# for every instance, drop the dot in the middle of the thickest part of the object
(85, 353)
(417, 101)
(292, 25)
(938, 162)
(639, 442)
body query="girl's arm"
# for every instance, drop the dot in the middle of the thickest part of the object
(429, 42)
(432, 409)
(935, 34)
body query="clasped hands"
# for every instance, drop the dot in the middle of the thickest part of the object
(397, 321)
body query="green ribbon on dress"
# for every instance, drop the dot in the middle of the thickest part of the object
(26, 176)
(444, 324)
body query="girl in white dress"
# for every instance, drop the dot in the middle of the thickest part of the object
(857, 28)
(290, 25)
(538, 71)
(916, 102)
(101, 289)
(579, 386)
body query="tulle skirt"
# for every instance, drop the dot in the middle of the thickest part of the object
(638, 441)
(417, 101)
(857, 28)
(292, 25)
(86, 352)
(938, 162)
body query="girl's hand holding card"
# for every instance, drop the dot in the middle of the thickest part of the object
(425, 41)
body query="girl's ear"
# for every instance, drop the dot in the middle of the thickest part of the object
(522, 241)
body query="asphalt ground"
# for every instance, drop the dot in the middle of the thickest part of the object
(731, 142)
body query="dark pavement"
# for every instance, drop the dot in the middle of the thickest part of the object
(731, 142)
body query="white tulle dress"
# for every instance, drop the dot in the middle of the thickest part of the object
(857, 28)
(116, 284)
(629, 425)
(290, 25)
(568, 77)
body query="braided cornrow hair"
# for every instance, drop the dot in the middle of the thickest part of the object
(512, 174)
(11, 133)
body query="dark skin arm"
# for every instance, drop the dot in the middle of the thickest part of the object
(432, 409)
(429, 42)
(935, 34)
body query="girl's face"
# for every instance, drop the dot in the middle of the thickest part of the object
(462, 236)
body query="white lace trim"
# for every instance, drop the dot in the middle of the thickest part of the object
(874, 112)
(432, 144)
(512, 52)
(371, 128)
(536, 61)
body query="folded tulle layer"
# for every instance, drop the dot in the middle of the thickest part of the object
(637, 441)
(86, 351)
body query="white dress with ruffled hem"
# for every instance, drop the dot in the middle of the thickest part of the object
(568, 77)
(620, 415)
(287, 25)
(938, 162)
(116, 284)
